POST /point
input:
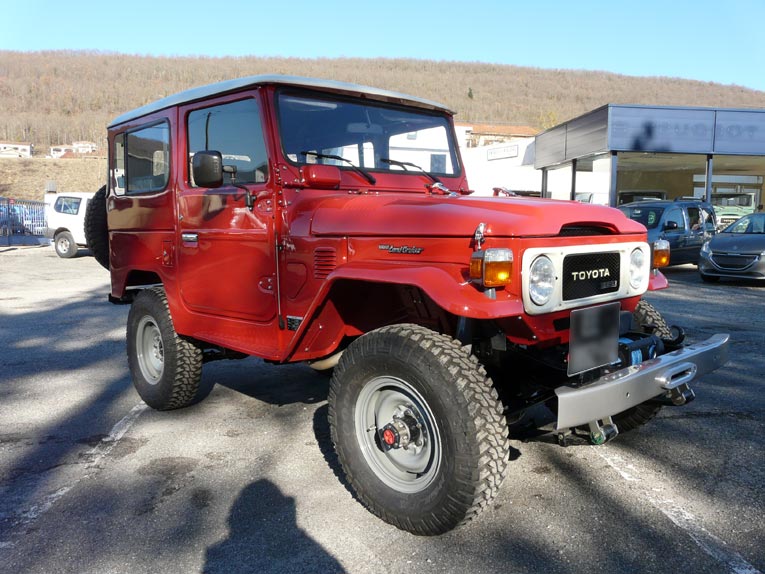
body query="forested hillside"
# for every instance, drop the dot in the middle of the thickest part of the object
(59, 97)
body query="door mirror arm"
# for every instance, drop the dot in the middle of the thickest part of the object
(248, 200)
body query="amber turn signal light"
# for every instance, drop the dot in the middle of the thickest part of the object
(492, 267)
(660, 253)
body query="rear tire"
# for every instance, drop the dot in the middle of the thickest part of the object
(166, 368)
(64, 244)
(457, 458)
(97, 229)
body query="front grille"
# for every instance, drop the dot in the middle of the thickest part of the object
(733, 261)
(590, 274)
(324, 262)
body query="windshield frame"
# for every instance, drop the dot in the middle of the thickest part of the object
(441, 119)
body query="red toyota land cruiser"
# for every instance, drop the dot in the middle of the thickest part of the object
(306, 220)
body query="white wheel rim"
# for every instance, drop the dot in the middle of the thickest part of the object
(409, 470)
(150, 350)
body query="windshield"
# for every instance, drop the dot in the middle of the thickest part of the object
(371, 136)
(754, 223)
(647, 215)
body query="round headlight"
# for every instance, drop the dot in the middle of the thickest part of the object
(638, 268)
(541, 280)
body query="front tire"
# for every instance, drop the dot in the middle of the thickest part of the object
(65, 245)
(441, 398)
(166, 368)
(649, 320)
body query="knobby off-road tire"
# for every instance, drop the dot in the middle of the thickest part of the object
(166, 368)
(96, 228)
(462, 459)
(650, 321)
(65, 245)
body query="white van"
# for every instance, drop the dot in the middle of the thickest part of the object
(65, 214)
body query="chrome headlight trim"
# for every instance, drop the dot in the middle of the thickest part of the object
(638, 267)
(541, 280)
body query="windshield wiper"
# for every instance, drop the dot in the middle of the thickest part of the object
(365, 174)
(406, 164)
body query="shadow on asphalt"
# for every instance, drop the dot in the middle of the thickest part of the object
(264, 537)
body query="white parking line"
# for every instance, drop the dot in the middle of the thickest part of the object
(708, 542)
(94, 456)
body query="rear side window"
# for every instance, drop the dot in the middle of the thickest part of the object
(67, 205)
(141, 160)
(234, 129)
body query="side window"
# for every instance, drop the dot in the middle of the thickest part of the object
(117, 171)
(694, 218)
(67, 205)
(148, 159)
(676, 214)
(233, 129)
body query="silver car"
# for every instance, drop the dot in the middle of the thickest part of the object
(737, 252)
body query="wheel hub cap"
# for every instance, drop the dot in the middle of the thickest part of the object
(398, 434)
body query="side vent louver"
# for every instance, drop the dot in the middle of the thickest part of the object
(324, 262)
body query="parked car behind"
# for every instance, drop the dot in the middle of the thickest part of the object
(66, 221)
(737, 252)
(685, 223)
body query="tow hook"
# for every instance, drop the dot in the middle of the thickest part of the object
(681, 395)
(401, 432)
(601, 434)
(676, 383)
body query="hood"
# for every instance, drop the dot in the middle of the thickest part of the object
(738, 242)
(438, 216)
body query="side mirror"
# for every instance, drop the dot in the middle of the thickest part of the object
(207, 168)
(670, 225)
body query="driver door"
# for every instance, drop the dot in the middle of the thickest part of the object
(225, 251)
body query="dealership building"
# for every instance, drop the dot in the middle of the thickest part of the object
(618, 153)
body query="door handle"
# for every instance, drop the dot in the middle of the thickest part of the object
(190, 238)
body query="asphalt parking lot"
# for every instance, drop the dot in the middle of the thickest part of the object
(93, 481)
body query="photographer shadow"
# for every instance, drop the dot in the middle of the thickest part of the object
(264, 537)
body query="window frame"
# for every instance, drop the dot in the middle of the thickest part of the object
(452, 153)
(67, 198)
(126, 192)
(228, 100)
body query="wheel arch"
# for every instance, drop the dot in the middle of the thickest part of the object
(434, 297)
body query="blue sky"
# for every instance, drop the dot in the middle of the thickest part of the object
(705, 40)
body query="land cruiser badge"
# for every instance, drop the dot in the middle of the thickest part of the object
(404, 249)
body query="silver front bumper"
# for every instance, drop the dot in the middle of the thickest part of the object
(628, 387)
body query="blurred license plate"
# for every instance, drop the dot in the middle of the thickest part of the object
(594, 338)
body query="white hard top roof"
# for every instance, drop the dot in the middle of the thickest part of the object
(202, 92)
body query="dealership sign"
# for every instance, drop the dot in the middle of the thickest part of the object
(502, 152)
